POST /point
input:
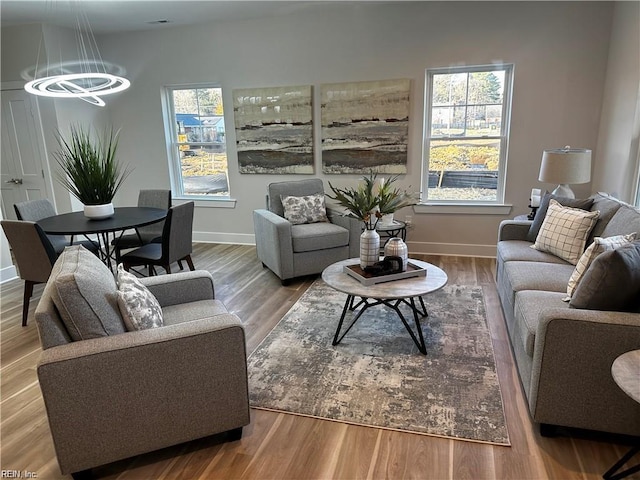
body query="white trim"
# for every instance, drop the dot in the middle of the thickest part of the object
(452, 249)
(8, 273)
(220, 237)
(502, 138)
(449, 209)
(208, 203)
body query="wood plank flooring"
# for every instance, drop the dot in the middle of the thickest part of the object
(282, 446)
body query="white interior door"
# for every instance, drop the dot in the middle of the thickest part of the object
(22, 167)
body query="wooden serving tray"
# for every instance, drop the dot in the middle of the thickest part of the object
(368, 279)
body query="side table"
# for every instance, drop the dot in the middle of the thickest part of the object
(626, 373)
(392, 230)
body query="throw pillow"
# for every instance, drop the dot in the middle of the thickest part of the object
(139, 308)
(541, 213)
(85, 293)
(564, 231)
(599, 245)
(612, 282)
(306, 209)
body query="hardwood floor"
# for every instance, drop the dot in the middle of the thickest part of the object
(282, 446)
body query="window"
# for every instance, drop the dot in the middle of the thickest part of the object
(198, 152)
(467, 113)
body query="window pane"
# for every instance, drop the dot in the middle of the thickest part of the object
(449, 89)
(201, 147)
(463, 169)
(486, 87)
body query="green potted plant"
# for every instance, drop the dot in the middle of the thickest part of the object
(368, 205)
(89, 169)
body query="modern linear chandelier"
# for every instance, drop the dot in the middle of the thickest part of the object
(88, 77)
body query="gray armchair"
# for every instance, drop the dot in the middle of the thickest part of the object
(291, 251)
(117, 395)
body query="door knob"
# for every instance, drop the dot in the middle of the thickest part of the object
(16, 181)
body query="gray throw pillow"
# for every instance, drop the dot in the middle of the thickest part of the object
(85, 294)
(541, 213)
(305, 209)
(139, 307)
(612, 281)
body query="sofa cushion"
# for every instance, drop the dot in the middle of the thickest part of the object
(304, 209)
(528, 306)
(612, 282)
(626, 220)
(552, 277)
(564, 231)
(541, 213)
(139, 308)
(85, 294)
(188, 312)
(318, 236)
(599, 245)
(520, 250)
(607, 206)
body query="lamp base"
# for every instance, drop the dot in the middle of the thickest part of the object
(563, 190)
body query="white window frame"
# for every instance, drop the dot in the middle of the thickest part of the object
(173, 158)
(448, 205)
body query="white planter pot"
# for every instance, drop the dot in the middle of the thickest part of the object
(387, 219)
(369, 248)
(98, 212)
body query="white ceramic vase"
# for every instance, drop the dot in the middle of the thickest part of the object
(395, 247)
(369, 248)
(98, 212)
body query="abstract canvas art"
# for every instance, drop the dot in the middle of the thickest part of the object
(365, 126)
(274, 129)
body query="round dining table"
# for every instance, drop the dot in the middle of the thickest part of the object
(104, 230)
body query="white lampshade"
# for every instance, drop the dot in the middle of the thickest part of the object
(565, 166)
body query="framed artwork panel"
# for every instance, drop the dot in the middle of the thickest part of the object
(365, 126)
(274, 129)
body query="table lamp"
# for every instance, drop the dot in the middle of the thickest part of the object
(565, 166)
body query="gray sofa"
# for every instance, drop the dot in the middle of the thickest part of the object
(115, 394)
(564, 354)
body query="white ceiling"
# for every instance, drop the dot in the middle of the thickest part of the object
(128, 15)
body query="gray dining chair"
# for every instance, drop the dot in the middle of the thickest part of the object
(149, 233)
(176, 244)
(34, 255)
(34, 210)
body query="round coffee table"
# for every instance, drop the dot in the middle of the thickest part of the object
(391, 294)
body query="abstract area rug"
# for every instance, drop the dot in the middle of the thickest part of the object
(376, 376)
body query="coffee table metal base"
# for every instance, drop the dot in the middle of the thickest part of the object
(393, 304)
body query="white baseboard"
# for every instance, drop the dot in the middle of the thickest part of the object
(233, 238)
(426, 248)
(8, 273)
(455, 249)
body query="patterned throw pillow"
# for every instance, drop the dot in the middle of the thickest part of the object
(599, 245)
(564, 231)
(306, 209)
(139, 308)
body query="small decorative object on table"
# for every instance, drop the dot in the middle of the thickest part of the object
(369, 207)
(90, 171)
(534, 202)
(396, 247)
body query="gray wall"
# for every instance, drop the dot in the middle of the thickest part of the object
(619, 136)
(560, 51)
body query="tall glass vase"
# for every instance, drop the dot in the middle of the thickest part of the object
(369, 247)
